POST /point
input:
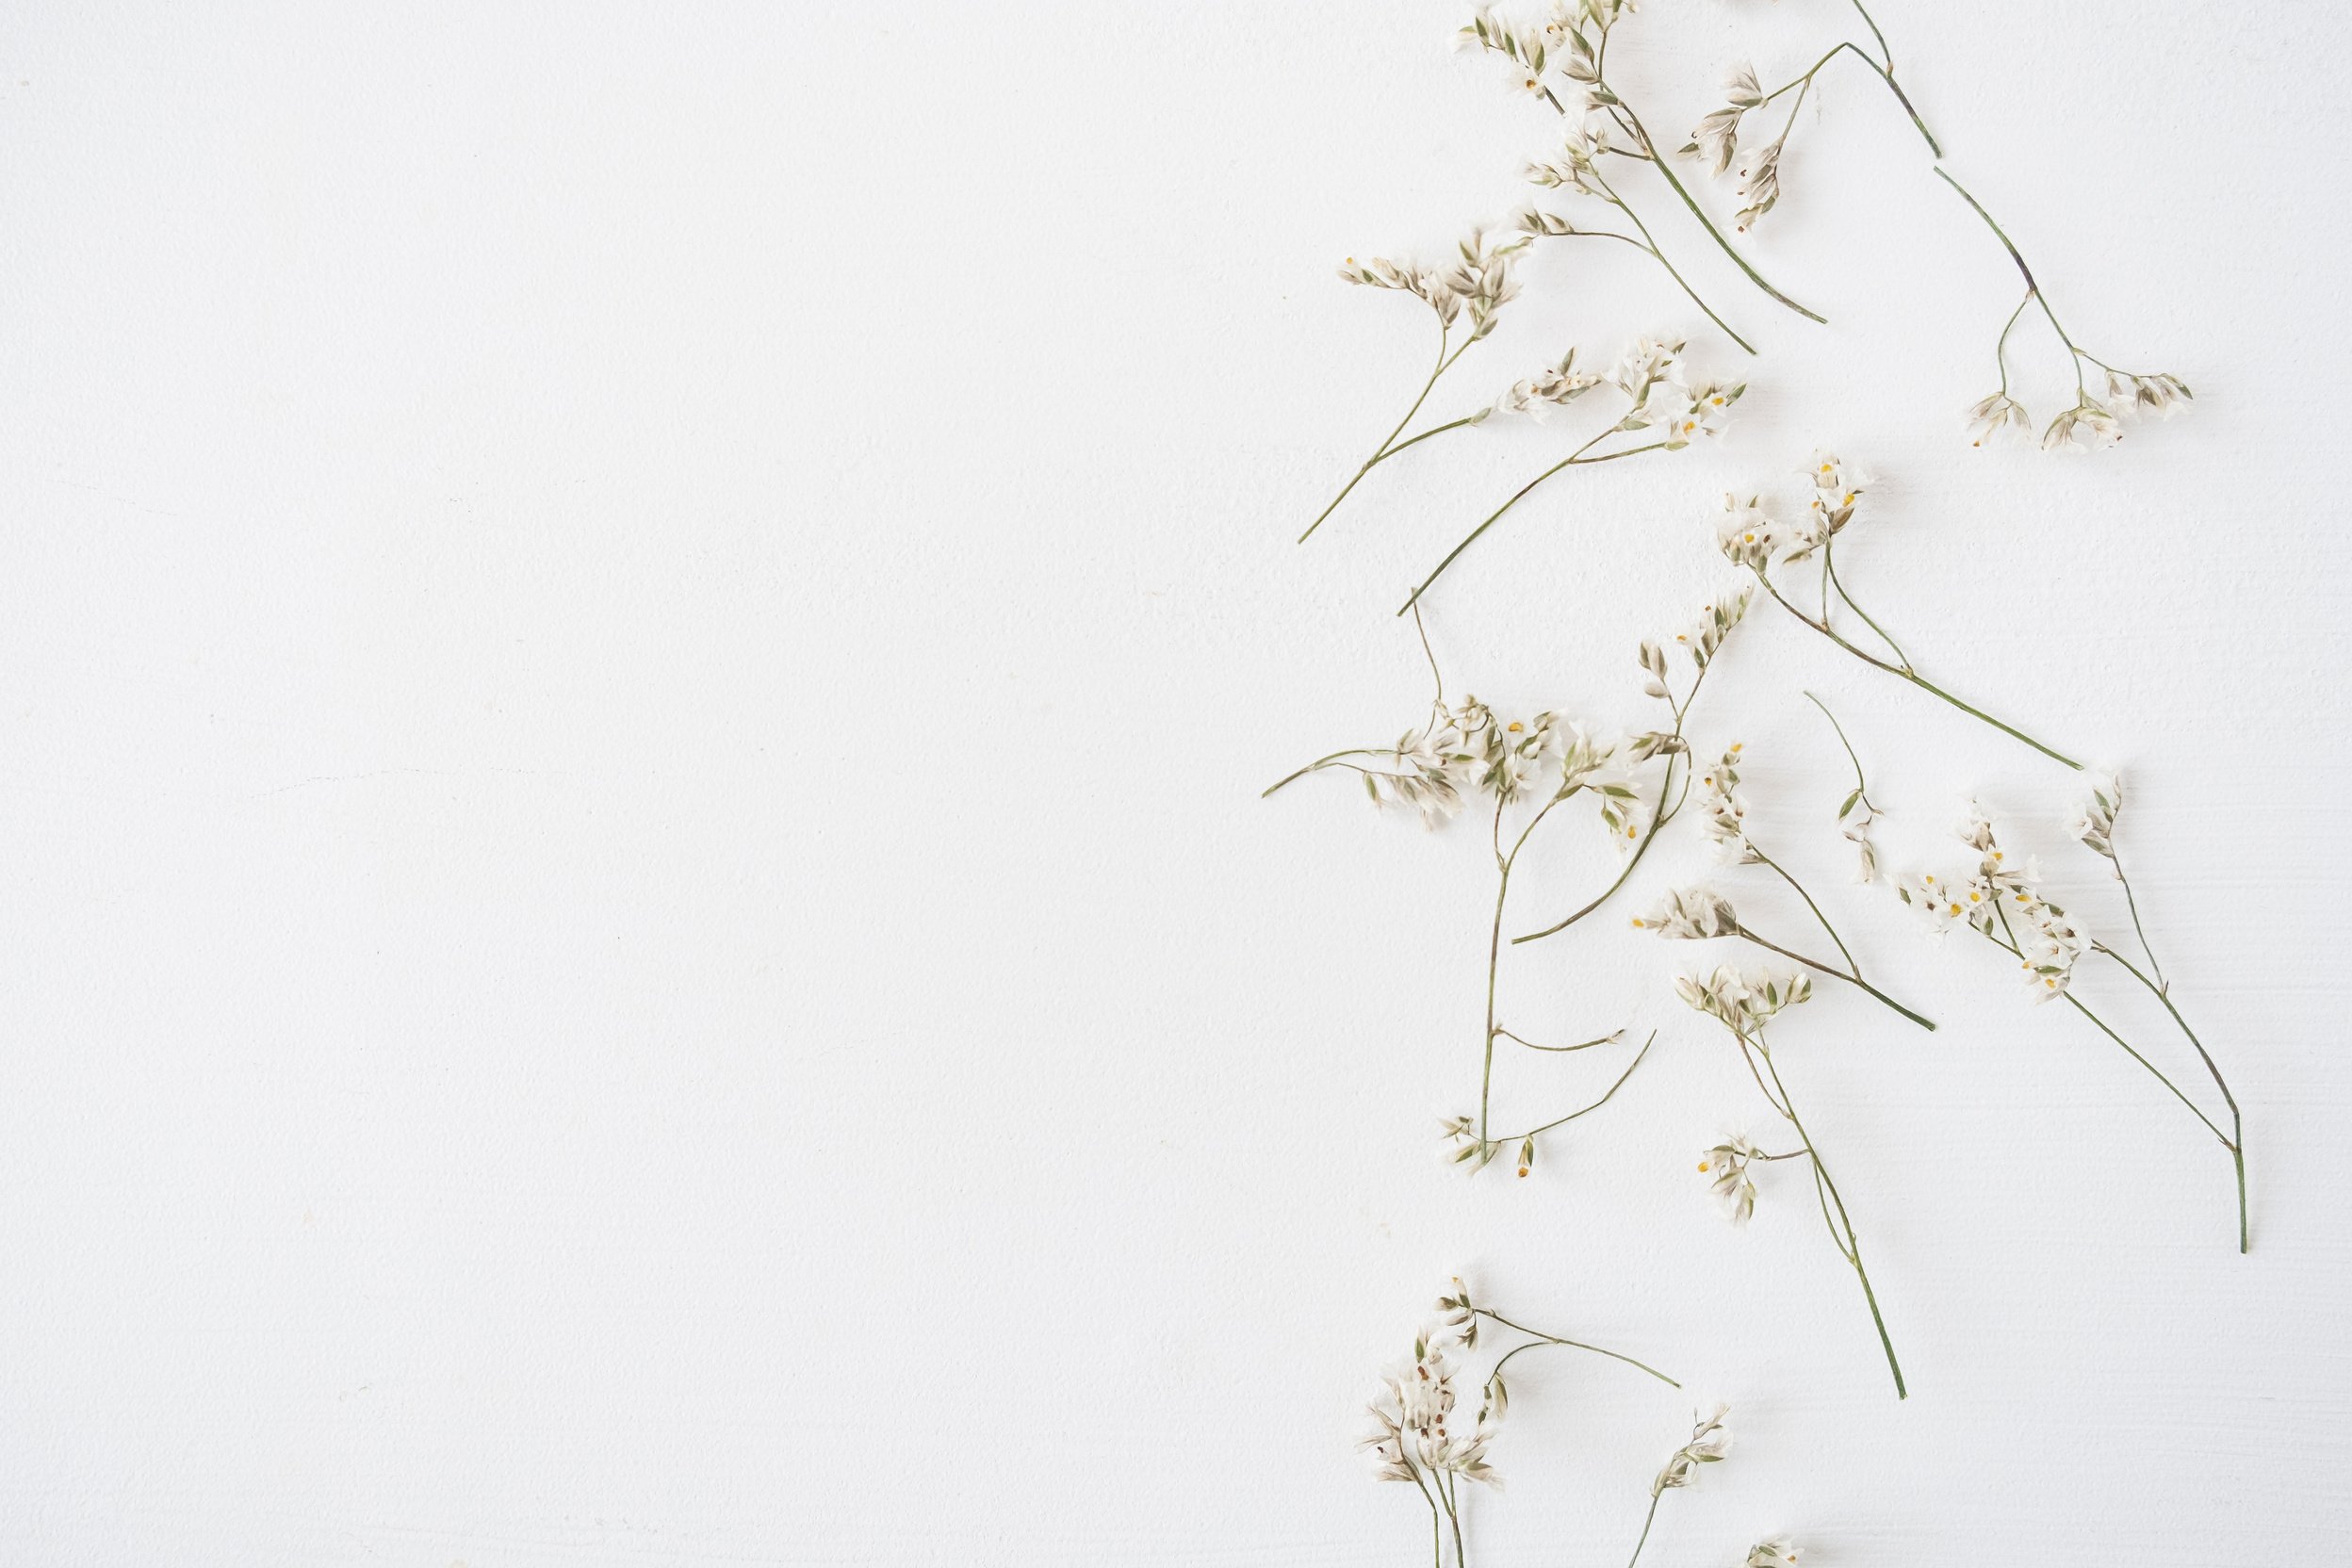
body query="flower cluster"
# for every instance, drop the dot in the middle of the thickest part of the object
(2090, 424)
(1479, 279)
(1743, 1003)
(1554, 386)
(1414, 1430)
(1716, 141)
(1558, 43)
(2095, 824)
(1727, 1163)
(1725, 812)
(1650, 374)
(1779, 1552)
(1750, 536)
(1710, 1439)
(1690, 914)
(1716, 619)
(1467, 750)
(2003, 903)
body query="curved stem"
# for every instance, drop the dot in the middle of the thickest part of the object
(1572, 1344)
(2010, 947)
(1843, 951)
(1915, 678)
(2236, 1140)
(1604, 1100)
(1829, 568)
(1820, 968)
(1755, 277)
(1649, 243)
(1322, 762)
(2162, 985)
(1861, 784)
(1384, 451)
(1573, 459)
(1651, 1518)
(1851, 1245)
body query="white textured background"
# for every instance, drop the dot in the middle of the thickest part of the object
(638, 645)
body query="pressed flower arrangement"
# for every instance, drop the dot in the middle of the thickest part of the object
(1603, 177)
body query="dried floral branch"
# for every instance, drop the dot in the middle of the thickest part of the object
(1417, 1437)
(1568, 52)
(1749, 536)
(2006, 906)
(1650, 377)
(1703, 642)
(1744, 1004)
(1716, 141)
(2090, 422)
(1697, 914)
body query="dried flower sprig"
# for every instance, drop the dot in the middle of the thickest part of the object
(2090, 423)
(2004, 903)
(1779, 1552)
(1568, 53)
(1469, 290)
(1416, 1436)
(1465, 751)
(1749, 536)
(1711, 1441)
(1744, 1004)
(1694, 914)
(1645, 819)
(1716, 141)
(1659, 401)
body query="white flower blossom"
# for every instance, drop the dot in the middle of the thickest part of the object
(1690, 914)
(1414, 1428)
(1779, 1552)
(1727, 1163)
(1710, 1439)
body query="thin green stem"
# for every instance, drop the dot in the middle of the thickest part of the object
(1659, 816)
(1835, 974)
(1914, 677)
(1322, 762)
(1572, 1344)
(1572, 460)
(1651, 1518)
(2162, 985)
(2011, 948)
(2236, 1140)
(1861, 784)
(1384, 450)
(1852, 1246)
(1829, 567)
(1657, 161)
(1649, 243)
(1563, 1122)
(1843, 951)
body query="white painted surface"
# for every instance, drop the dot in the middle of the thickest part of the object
(638, 646)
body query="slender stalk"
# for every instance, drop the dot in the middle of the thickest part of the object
(1843, 951)
(1658, 162)
(1649, 243)
(2162, 985)
(1649, 1519)
(1604, 1100)
(1851, 1245)
(1660, 815)
(1835, 974)
(2236, 1140)
(1572, 460)
(1914, 677)
(1572, 1344)
(1386, 449)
